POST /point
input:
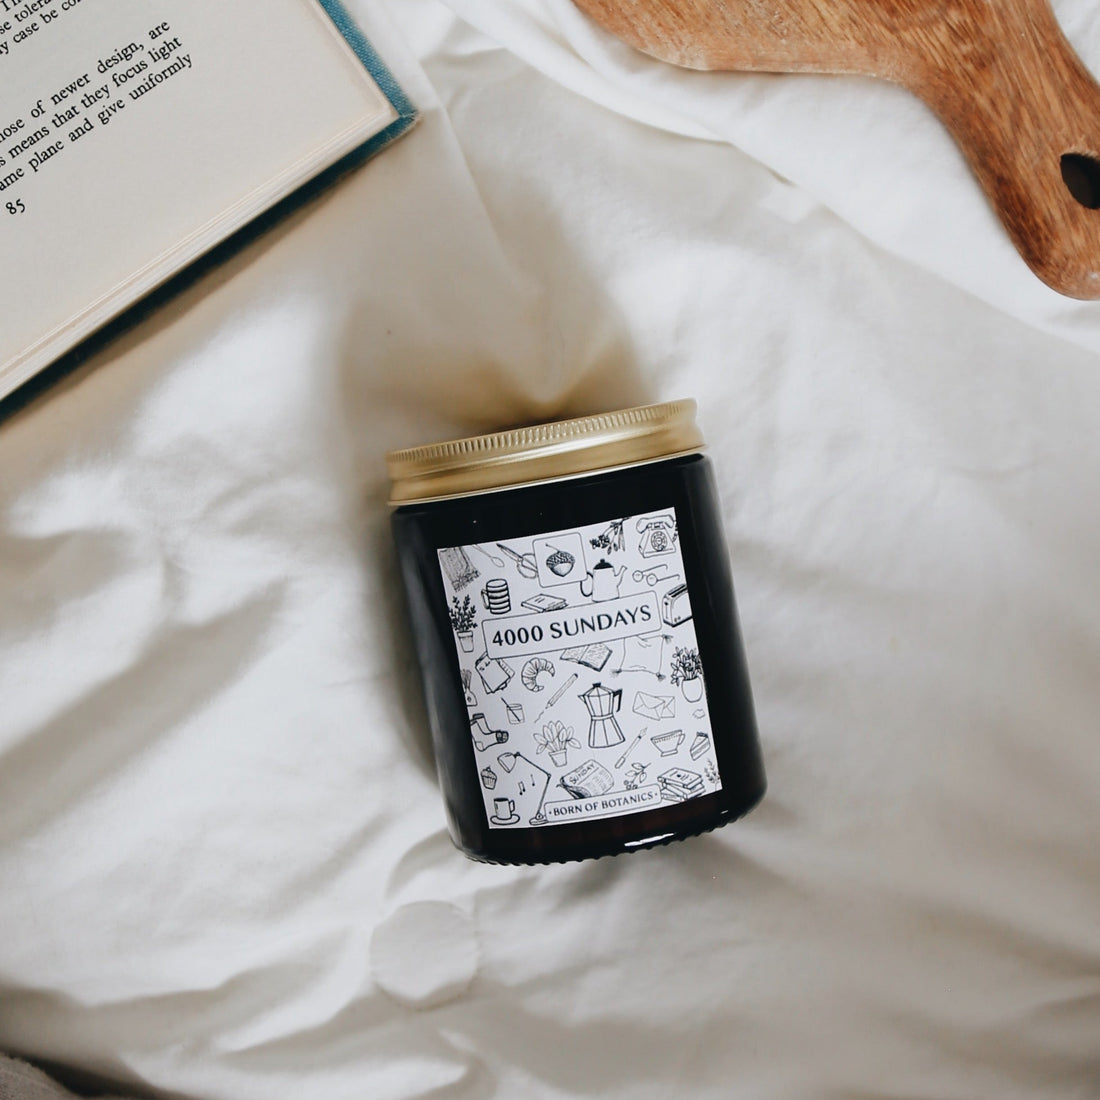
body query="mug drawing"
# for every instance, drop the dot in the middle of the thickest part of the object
(497, 596)
(504, 812)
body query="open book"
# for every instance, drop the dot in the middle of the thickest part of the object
(137, 134)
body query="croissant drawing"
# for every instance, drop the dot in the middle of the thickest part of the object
(530, 673)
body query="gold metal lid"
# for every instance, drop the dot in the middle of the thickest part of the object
(543, 452)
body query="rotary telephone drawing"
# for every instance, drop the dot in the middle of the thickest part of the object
(658, 535)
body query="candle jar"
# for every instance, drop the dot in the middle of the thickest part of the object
(574, 620)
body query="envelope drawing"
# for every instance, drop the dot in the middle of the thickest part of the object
(654, 706)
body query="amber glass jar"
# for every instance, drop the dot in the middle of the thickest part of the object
(574, 618)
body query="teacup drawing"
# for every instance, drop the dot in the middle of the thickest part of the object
(667, 743)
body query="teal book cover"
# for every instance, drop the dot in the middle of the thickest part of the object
(406, 112)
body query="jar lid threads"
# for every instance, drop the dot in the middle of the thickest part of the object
(543, 452)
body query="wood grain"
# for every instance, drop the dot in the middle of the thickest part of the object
(998, 73)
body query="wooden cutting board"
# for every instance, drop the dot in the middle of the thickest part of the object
(998, 73)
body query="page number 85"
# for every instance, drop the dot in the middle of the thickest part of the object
(16, 207)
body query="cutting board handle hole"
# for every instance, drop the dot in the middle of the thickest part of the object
(1082, 177)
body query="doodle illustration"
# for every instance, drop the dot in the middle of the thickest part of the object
(532, 670)
(668, 744)
(655, 574)
(543, 601)
(549, 613)
(588, 780)
(658, 535)
(557, 739)
(525, 563)
(645, 654)
(656, 707)
(463, 618)
(560, 562)
(458, 567)
(492, 557)
(629, 749)
(678, 784)
(602, 581)
(504, 812)
(556, 697)
(471, 698)
(603, 704)
(492, 737)
(591, 656)
(495, 674)
(611, 539)
(676, 606)
(687, 671)
(559, 559)
(497, 596)
(528, 783)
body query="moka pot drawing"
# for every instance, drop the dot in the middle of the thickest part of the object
(602, 704)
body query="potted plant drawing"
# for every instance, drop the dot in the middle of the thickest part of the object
(686, 671)
(463, 616)
(557, 739)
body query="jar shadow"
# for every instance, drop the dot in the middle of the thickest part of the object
(528, 344)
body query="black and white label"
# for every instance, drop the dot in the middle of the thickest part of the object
(581, 670)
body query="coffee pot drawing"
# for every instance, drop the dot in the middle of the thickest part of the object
(603, 704)
(602, 581)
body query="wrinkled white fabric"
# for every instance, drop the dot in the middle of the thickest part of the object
(220, 838)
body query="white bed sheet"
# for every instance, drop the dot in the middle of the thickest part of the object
(224, 871)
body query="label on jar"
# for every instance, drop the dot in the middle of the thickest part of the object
(581, 670)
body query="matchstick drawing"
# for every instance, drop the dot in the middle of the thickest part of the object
(471, 698)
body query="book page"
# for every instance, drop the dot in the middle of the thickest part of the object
(134, 134)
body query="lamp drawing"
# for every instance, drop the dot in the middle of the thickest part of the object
(530, 777)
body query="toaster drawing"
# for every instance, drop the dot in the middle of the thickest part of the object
(675, 606)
